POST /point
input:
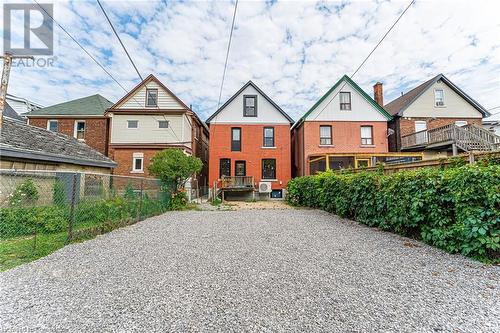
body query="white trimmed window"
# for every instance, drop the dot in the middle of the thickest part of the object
(162, 123)
(345, 101)
(132, 123)
(366, 135)
(325, 135)
(438, 97)
(53, 125)
(460, 123)
(79, 131)
(152, 97)
(138, 162)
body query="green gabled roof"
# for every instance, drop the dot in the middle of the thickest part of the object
(357, 88)
(94, 105)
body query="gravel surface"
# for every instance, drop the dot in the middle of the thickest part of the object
(268, 270)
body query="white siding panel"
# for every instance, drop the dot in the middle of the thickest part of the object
(266, 112)
(455, 105)
(147, 131)
(361, 109)
(138, 100)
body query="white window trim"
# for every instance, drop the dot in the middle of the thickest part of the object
(52, 120)
(444, 103)
(461, 123)
(137, 156)
(132, 128)
(420, 122)
(75, 129)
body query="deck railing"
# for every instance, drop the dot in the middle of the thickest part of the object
(467, 138)
(237, 182)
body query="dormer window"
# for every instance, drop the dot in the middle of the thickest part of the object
(250, 106)
(439, 97)
(152, 97)
(345, 101)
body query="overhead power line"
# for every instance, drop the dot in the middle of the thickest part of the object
(81, 46)
(119, 39)
(369, 55)
(227, 53)
(94, 59)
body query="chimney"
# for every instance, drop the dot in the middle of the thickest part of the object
(378, 94)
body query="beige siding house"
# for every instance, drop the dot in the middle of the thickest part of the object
(151, 118)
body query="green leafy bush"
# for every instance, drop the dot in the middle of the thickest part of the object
(25, 194)
(456, 209)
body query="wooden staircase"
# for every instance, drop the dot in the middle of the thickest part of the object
(467, 138)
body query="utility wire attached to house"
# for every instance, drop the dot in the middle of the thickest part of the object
(227, 53)
(119, 39)
(368, 56)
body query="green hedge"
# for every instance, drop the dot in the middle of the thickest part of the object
(456, 209)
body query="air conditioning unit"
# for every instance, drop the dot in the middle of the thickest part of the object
(265, 187)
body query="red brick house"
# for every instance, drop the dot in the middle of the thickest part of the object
(344, 128)
(151, 118)
(250, 149)
(82, 118)
(433, 106)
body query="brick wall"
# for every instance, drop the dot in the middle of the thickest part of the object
(124, 158)
(251, 151)
(96, 130)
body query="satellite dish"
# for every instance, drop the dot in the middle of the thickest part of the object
(390, 132)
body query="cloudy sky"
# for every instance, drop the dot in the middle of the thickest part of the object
(294, 50)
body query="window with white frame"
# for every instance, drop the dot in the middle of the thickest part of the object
(138, 162)
(345, 101)
(366, 135)
(132, 123)
(162, 123)
(53, 125)
(460, 123)
(152, 97)
(79, 131)
(438, 97)
(325, 135)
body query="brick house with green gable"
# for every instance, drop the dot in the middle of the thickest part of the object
(82, 118)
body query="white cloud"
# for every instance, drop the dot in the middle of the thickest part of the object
(294, 50)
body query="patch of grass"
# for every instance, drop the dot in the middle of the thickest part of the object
(17, 251)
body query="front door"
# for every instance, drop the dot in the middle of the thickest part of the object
(240, 168)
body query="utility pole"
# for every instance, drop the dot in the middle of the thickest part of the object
(7, 64)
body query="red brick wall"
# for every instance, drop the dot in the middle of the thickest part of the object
(407, 126)
(96, 130)
(251, 151)
(124, 158)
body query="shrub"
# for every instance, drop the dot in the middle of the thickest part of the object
(456, 209)
(25, 194)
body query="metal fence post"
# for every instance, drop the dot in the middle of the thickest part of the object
(140, 199)
(72, 209)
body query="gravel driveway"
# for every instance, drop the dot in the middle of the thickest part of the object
(267, 270)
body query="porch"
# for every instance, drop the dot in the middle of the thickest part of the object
(452, 137)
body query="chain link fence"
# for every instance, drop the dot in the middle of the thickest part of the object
(43, 206)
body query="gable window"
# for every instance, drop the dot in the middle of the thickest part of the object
(345, 100)
(162, 123)
(152, 97)
(53, 125)
(268, 136)
(235, 139)
(132, 123)
(250, 106)
(79, 131)
(224, 167)
(438, 97)
(138, 162)
(366, 135)
(268, 168)
(325, 135)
